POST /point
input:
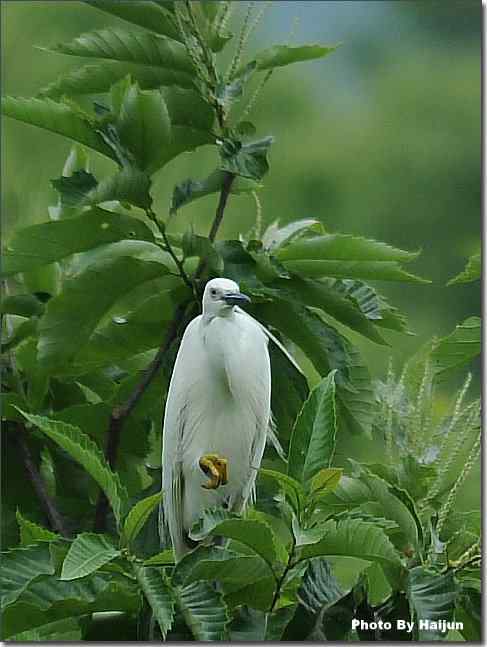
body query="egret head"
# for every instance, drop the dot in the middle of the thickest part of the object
(221, 295)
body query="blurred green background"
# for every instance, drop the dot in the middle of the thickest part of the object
(382, 138)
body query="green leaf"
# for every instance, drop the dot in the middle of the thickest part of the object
(292, 488)
(257, 535)
(201, 247)
(369, 270)
(48, 599)
(342, 247)
(144, 126)
(289, 390)
(432, 598)
(138, 516)
(391, 505)
(204, 611)
(42, 244)
(472, 271)
(354, 538)
(345, 256)
(319, 589)
(370, 303)
(150, 15)
(325, 296)
(61, 118)
(327, 350)
(130, 46)
(314, 435)
(98, 79)
(19, 567)
(128, 185)
(158, 593)
(71, 317)
(83, 450)
(256, 595)
(61, 631)
(238, 568)
(164, 558)
(87, 554)
(458, 348)
(23, 305)
(248, 160)
(191, 190)
(276, 236)
(281, 55)
(31, 533)
(326, 480)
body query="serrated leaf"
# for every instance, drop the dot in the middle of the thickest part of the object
(204, 611)
(391, 506)
(276, 236)
(319, 588)
(190, 190)
(31, 533)
(326, 480)
(48, 599)
(291, 487)
(60, 118)
(138, 516)
(354, 538)
(66, 630)
(71, 317)
(248, 160)
(324, 295)
(128, 185)
(158, 593)
(99, 78)
(19, 567)
(39, 245)
(164, 558)
(130, 46)
(472, 271)
(87, 554)
(144, 126)
(257, 535)
(281, 55)
(256, 595)
(150, 15)
(369, 270)
(432, 597)
(313, 439)
(343, 247)
(83, 450)
(458, 348)
(327, 349)
(237, 568)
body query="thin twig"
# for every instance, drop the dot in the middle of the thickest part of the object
(162, 230)
(282, 579)
(56, 520)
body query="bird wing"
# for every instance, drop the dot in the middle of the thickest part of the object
(173, 436)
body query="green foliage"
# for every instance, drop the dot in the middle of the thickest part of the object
(94, 290)
(87, 554)
(472, 271)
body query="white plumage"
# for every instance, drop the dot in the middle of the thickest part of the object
(218, 403)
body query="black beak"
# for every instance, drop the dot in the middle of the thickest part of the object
(236, 298)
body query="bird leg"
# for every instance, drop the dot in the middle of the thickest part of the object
(215, 467)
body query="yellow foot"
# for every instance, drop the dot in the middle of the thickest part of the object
(215, 467)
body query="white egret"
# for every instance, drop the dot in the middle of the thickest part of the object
(218, 412)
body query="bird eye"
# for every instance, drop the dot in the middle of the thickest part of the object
(213, 292)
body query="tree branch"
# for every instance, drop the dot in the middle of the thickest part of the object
(56, 520)
(121, 412)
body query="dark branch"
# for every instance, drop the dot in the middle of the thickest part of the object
(54, 517)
